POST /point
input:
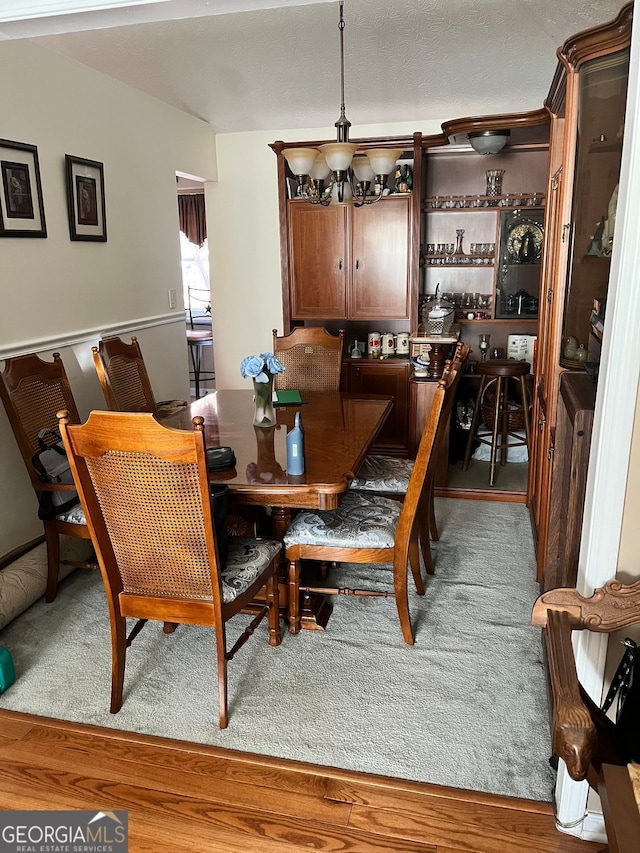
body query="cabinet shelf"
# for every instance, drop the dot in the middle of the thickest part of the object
(472, 204)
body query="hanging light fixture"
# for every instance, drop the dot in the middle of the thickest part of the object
(350, 175)
(489, 141)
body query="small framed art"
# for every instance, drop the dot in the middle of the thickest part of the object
(85, 199)
(21, 205)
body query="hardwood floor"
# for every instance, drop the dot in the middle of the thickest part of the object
(185, 797)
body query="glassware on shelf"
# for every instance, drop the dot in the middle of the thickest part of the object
(483, 345)
(494, 182)
(459, 235)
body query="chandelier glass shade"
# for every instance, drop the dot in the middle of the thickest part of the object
(350, 176)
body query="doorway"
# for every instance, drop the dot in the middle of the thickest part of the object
(196, 288)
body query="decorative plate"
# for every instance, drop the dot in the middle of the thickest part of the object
(524, 242)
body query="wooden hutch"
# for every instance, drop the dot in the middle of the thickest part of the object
(369, 267)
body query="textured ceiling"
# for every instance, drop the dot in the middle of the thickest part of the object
(277, 68)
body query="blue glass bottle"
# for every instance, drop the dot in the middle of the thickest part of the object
(295, 448)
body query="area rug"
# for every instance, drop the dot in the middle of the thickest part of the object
(465, 707)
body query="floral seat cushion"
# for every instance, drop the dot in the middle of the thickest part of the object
(247, 559)
(73, 515)
(361, 521)
(383, 474)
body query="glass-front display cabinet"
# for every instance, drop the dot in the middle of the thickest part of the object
(602, 91)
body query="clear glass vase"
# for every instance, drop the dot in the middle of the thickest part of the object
(264, 414)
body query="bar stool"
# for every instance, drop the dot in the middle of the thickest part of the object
(198, 338)
(503, 412)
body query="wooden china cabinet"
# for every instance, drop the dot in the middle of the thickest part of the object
(586, 102)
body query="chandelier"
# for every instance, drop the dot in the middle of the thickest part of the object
(350, 175)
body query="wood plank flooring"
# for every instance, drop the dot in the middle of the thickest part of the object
(186, 797)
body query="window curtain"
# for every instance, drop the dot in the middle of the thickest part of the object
(192, 218)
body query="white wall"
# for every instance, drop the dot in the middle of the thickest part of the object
(244, 239)
(59, 294)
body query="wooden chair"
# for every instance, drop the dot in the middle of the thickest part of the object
(581, 733)
(389, 475)
(33, 392)
(124, 379)
(145, 492)
(370, 529)
(312, 359)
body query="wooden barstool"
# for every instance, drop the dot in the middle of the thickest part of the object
(505, 414)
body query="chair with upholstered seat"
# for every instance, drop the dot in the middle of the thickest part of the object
(312, 359)
(124, 379)
(33, 392)
(389, 475)
(371, 530)
(145, 491)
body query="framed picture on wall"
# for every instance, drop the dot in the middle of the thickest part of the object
(21, 205)
(85, 199)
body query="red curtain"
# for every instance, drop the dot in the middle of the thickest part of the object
(192, 217)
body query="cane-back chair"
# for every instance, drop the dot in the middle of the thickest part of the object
(312, 359)
(389, 476)
(33, 392)
(123, 376)
(145, 492)
(369, 529)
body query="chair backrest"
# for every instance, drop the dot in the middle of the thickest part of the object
(426, 458)
(198, 305)
(33, 392)
(145, 492)
(312, 359)
(123, 376)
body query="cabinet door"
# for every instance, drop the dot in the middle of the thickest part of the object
(380, 260)
(318, 261)
(392, 379)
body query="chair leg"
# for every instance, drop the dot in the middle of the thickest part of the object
(474, 424)
(433, 526)
(294, 597)
(221, 651)
(497, 427)
(414, 562)
(52, 539)
(274, 613)
(118, 659)
(402, 601)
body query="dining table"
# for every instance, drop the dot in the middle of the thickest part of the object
(339, 429)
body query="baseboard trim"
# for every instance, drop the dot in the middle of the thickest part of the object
(69, 339)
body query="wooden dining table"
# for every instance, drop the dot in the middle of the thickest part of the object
(339, 429)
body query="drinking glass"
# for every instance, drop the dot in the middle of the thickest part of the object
(494, 182)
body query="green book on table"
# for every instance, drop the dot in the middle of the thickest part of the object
(290, 398)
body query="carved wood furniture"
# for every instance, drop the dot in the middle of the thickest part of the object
(584, 169)
(33, 391)
(370, 529)
(312, 359)
(581, 734)
(146, 495)
(340, 428)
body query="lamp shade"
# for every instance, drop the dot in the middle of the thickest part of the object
(347, 194)
(319, 171)
(362, 168)
(383, 160)
(489, 141)
(338, 155)
(300, 160)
